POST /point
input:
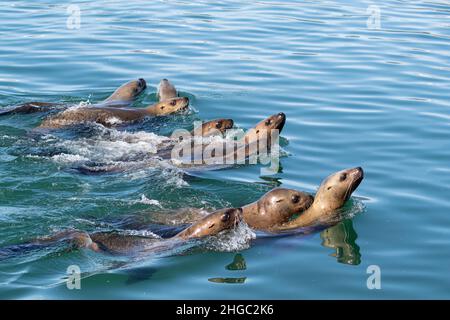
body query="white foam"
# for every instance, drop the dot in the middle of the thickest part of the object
(141, 233)
(81, 104)
(111, 145)
(64, 158)
(153, 202)
(113, 121)
(236, 239)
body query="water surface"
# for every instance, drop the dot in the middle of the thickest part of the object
(353, 96)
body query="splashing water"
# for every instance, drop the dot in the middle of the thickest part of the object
(236, 239)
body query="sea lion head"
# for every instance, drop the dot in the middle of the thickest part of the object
(264, 127)
(216, 127)
(213, 223)
(170, 106)
(128, 91)
(277, 206)
(166, 90)
(337, 188)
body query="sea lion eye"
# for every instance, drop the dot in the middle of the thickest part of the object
(219, 124)
(225, 217)
(173, 102)
(268, 122)
(343, 177)
(162, 107)
(295, 199)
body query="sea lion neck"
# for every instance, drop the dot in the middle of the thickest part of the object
(150, 110)
(317, 211)
(249, 210)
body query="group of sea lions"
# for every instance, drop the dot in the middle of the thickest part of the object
(279, 210)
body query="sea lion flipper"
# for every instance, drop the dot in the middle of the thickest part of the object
(30, 107)
(76, 240)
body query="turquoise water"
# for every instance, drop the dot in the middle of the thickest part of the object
(353, 95)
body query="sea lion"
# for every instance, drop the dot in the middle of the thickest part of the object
(121, 244)
(108, 116)
(256, 141)
(275, 207)
(166, 90)
(29, 107)
(212, 224)
(126, 92)
(182, 152)
(214, 127)
(263, 128)
(334, 191)
(122, 97)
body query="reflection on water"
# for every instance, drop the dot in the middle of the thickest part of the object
(342, 237)
(227, 280)
(237, 264)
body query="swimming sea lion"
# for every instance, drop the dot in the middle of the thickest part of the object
(166, 90)
(121, 244)
(214, 127)
(126, 93)
(275, 207)
(257, 140)
(122, 97)
(212, 224)
(264, 127)
(334, 191)
(180, 152)
(29, 107)
(111, 116)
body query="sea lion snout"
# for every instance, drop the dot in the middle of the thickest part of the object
(142, 83)
(185, 103)
(275, 121)
(181, 102)
(357, 175)
(280, 121)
